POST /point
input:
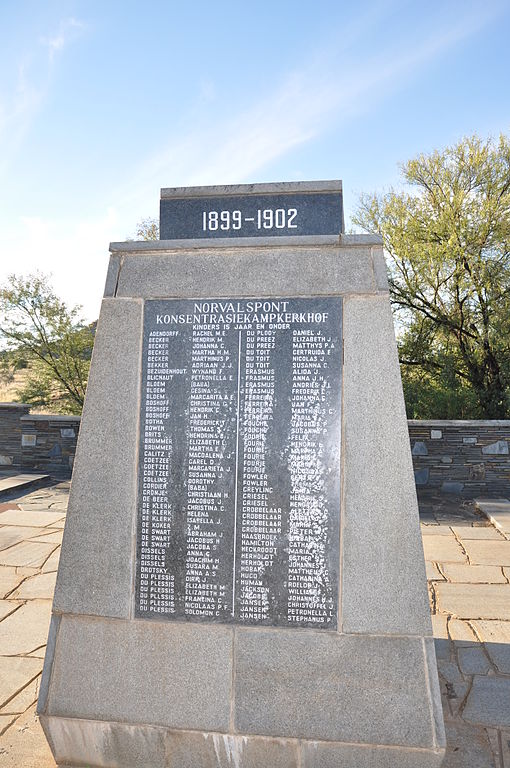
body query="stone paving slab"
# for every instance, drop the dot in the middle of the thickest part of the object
(488, 702)
(483, 532)
(473, 574)
(10, 578)
(488, 552)
(8, 606)
(35, 518)
(40, 586)
(15, 674)
(26, 629)
(20, 482)
(443, 549)
(497, 511)
(14, 534)
(474, 601)
(27, 553)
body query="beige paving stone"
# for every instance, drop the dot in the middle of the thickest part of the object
(506, 571)
(13, 534)
(481, 532)
(7, 607)
(51, 564)
(433, 573)
(33, 518)
(488, 552)
(496, 637)
(40, 586)
(15, 674)
(23, 700)
(59, 524)
(473, 574)
(24, 745)
(26, 629)
(461, 632)
(436, 530)
(439, 625)
(443, 549)
(5, 721)
(474, 601)
(55, 537)
(9, 580)
(27, 553)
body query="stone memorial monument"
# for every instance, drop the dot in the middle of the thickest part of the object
(242, 582)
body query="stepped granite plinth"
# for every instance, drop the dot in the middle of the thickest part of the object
(242, 578)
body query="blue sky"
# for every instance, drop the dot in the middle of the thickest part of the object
(103, 103)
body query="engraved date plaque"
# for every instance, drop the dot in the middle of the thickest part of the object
(239, 470)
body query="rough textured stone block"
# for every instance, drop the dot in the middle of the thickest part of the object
(118, 745)
(383, 578)
(336, 687)
(489, 702)
(248, 272)
(323, 755)
(172, 674)
(419, 449)
(95, 573)
(112, 275)
(499, 448)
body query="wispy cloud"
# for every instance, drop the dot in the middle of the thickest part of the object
(66, 31)
(23, 92)
(341, 81)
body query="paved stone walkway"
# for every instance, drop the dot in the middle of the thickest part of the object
(468, 567)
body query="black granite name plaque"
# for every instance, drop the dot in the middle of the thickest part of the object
(239, 475)
(252, 215)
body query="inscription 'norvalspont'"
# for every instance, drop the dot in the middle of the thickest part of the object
(239, 479)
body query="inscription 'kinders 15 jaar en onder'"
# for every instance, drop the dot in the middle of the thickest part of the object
(238, 517)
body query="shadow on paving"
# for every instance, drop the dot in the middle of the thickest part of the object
(468, 571)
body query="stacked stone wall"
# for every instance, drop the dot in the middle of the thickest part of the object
(468, 457)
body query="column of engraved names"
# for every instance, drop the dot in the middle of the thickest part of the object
(260, 522)
(310, 597)
(156, 585)
(209, 471)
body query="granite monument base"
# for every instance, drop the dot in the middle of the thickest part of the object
(120, 690)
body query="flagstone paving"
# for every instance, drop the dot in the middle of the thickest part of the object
(469, 585)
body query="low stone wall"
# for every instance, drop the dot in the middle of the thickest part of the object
(48, 443)
(10, 433)
(37, 442)
(468, 457)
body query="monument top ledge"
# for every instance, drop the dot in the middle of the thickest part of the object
(281, 209)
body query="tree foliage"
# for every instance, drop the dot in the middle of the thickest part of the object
(39, 332)
(447, 239)
(147, 229)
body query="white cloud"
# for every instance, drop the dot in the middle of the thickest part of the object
(66, 31)
(73, 252)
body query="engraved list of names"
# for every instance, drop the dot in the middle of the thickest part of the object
(239, 475)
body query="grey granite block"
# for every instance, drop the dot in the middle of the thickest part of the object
(323, 755)
(380, 269)
(95, 571)
(221, 190)
(334, 687)
(163, 673)
(118, 745)
(248, 272)
(383, 571)
(48, 663)
(112, 275)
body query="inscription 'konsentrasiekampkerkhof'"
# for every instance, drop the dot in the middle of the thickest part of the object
(239, 477)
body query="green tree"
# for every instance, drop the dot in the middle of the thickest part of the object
(447, 240)
(39, 332)
(147, 229)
